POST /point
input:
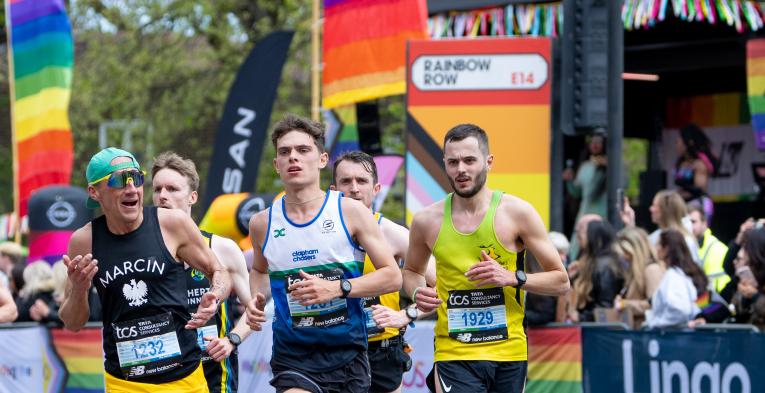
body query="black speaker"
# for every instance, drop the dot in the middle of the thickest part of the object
(651, 182)
(589, 42)
(368, 123)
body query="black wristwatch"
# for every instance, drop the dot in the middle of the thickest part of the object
(234, 338)
(520, 275)
(346, 287)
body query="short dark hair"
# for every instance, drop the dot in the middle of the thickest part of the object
(292, 122)
(696, 207)
(358, 157)
(464, 131)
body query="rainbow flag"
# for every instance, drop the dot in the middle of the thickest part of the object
(41, 58)
(712, 110)
(755, 70)
(83, 355)
(347, 138)
(555, 360)
(364, 47)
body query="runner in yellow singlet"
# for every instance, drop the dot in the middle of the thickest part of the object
(355, 175)
(479, 238)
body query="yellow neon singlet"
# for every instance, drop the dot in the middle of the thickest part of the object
(388, 300)
(476, 323)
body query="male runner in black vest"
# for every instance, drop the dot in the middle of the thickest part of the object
(131, 255)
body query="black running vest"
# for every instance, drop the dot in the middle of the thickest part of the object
(142, 289)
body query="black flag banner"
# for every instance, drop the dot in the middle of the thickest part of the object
(244, 125)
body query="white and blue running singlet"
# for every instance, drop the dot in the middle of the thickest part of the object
(324, 336)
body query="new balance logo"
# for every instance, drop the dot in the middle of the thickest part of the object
(137, 370)
(279, 232)
(464, 337)
(305, 322)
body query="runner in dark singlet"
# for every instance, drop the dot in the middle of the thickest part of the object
(130, 254)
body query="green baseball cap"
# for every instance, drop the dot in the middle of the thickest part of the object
(100, 166)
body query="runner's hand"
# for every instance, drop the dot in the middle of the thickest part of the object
(80, 271)
(255, 313)
(314, 290)
(490, 272)
(219, 348)
(386, 317)
(427, 299)
(208, 306)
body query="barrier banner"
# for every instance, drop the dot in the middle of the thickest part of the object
(555, 360)
(28, 362)
(685, 362)
(83, 355)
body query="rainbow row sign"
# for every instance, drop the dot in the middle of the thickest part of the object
(42, 55)
(503, 86)
(755, 70)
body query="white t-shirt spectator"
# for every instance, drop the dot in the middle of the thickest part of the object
(674, 302)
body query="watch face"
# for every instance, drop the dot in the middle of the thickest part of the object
(345, 285)
(235, 339)
(520, 275)
(411, 312)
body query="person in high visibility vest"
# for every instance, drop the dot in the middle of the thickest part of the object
(711, 250)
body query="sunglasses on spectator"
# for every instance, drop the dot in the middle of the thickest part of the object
(121, 179)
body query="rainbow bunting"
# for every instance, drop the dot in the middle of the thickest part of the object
(83, 357)
(755, 69)
(42, 55)
(365, 47)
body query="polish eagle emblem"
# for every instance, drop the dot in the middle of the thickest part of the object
(135, 292)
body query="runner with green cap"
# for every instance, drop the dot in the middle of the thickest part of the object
(132, 255)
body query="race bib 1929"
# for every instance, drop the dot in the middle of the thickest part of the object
(477, 315)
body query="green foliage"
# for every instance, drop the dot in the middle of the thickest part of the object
(170, 65)
(635, 155)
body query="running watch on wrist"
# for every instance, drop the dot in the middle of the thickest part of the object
(412, 313)
(520, 275)
(346, 287)
(234, 339)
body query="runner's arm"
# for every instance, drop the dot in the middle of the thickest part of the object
(387, 277)
(259, 283)
(232, 258)
(193, 249)
(418, 256)
(554, 280)
(81, 268)
(8, 311)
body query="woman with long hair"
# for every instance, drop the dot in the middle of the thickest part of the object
(668, 210)
(695, 165)
(674, 302)
(750, 269)
(643, 275)
(601, 275)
